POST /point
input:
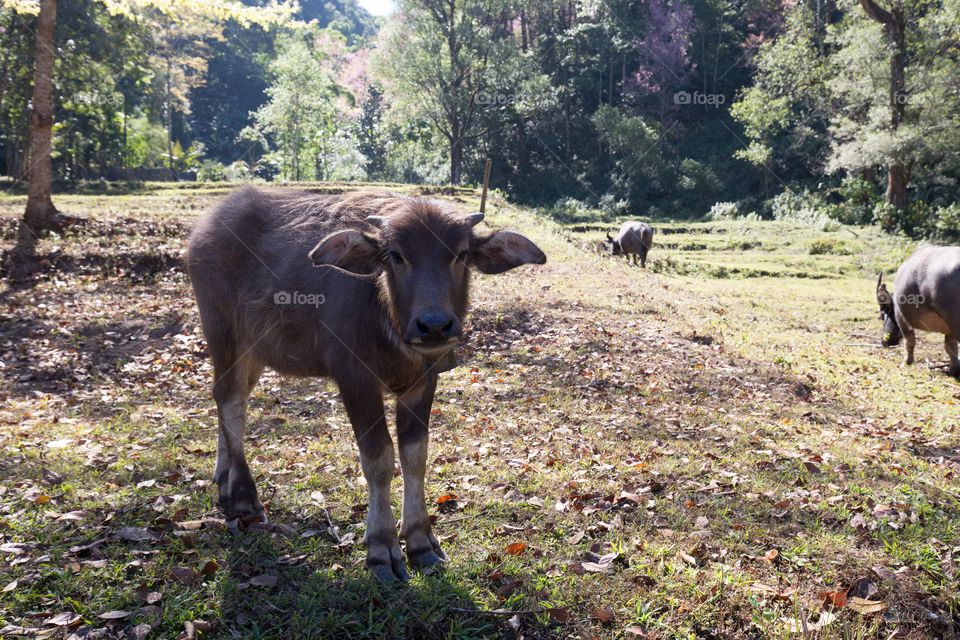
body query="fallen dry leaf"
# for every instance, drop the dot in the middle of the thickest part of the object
(136, 534)
(114, 615)
(604, 614)
(65, 619)
(265, 580)
(863, 606)
(184, 575)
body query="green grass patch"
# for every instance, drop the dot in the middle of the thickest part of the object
(701, 449)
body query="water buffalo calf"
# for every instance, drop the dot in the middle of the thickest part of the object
(926, 297)
(367, 288)
(633, 240)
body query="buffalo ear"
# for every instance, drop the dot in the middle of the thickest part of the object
(504, 250)
(349, 249)
(883, 297)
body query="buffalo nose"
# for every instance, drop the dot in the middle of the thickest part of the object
(437, 326)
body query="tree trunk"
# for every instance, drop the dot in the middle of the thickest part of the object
(897, 186)
(894, 24)
(896, 172)
(168, 121)
(456, 161)
(40, 213)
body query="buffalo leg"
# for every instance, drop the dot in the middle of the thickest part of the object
(233, 378)
(364, 404)
(950, 344)
(413, 415)
(909, 341)
(231, 390)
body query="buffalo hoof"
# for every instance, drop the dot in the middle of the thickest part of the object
(427, 559)
(393, 574)
(424, 557)
(396, 572)
(245, 509)
(384, 557)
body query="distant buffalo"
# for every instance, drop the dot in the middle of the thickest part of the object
(366, 288)
(633, 240)
(926, 297)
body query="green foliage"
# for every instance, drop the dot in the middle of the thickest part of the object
(723, 211)
(946, 224)
(211, 171)
(370, 134)
(300, 121)
(833, 246)
(819, 104)
(859, 199)
(633, 145)
(803, 208)
(557, 94)
(145, 141)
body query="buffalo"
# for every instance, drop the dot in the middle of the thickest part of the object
(633, 240)
(367, 288)
(926, 297)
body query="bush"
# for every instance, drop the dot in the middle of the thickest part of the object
(211, 171)
(266, 169)
(568, 210)
(723, 211)
(859, 199)
(610, 204)
(237, 171)
(945, 224)
(829, 245)
(805, 209)
(914, 221)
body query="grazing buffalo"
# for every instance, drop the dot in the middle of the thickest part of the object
(367, 288)
(634, 239)
(926, 297)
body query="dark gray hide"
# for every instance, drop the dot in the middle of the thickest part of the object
(634, 240)
(927, 298)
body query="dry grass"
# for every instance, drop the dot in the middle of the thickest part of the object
(721, 433)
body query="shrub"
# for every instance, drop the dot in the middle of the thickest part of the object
(804, 208)
(237, 171)
(723, 211)
(266, 169)
(568, 210)
(829, 245)
(859, 197)
(211, 171)
(610, 204)
(945, 223)
(914, 220)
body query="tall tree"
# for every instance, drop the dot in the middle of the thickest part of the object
(894, 24)
(40, 213)
(440, 55)
(299, 118)
(665, 65)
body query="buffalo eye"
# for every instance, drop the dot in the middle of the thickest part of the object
(396, 257)
(462, 256)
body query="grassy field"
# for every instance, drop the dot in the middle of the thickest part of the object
(714, 447)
